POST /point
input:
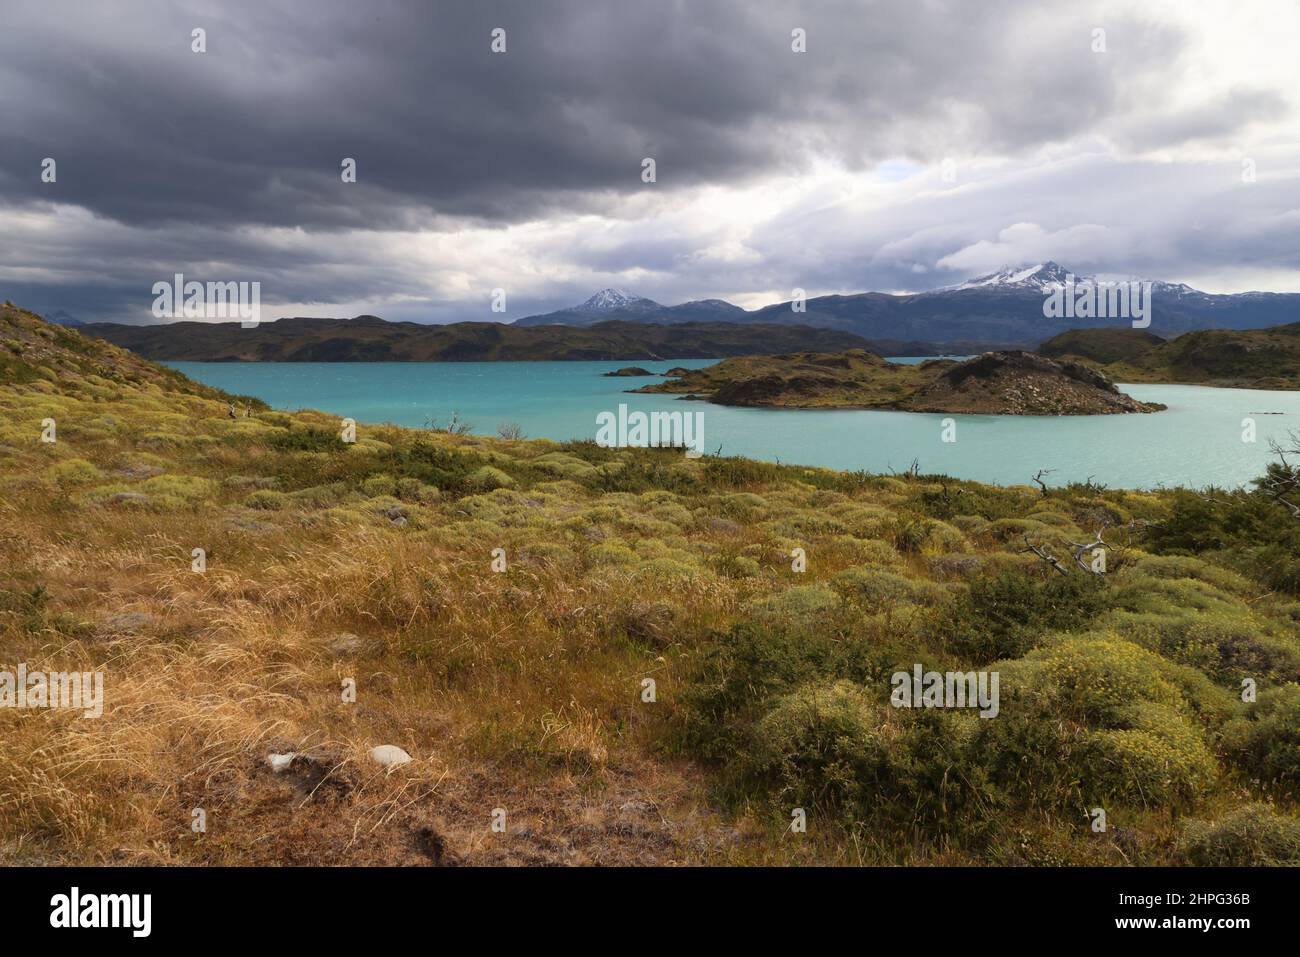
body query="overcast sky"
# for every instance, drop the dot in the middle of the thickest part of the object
(522, 170)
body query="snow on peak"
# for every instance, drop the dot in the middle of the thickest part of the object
(1045, 277)
(612, 299)
(1041, 276)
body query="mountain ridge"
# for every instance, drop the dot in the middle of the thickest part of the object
(1003, 309)
(372, 339)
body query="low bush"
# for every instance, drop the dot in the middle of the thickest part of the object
(1250, 836)
(1004, 615)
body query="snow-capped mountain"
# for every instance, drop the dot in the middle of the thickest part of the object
(610, 299)
(610, 304)
(1039, 277)
(1003, 309)
(1046, 276)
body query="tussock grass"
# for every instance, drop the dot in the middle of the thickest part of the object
(370, 565)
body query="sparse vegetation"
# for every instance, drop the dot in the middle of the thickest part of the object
(522, 688)
(1010, 383)
(1234, 358)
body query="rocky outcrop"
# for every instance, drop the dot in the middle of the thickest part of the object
(1022, 383)
(995, 383)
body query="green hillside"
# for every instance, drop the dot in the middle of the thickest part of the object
(1243, 359)
(643, 658)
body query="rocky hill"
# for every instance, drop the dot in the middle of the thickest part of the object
(1244, 359)
(1001, 383)
(371, 339)
(47, 357)
(1022, 383)
(1100, 345)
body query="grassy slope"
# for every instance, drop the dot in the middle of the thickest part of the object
(1248, 359)
(522, 689)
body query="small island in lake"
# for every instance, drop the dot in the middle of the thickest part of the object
(995, 383)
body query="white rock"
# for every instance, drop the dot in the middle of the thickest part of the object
(388, 754)
(280, 762)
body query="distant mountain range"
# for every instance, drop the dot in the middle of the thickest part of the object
(1001, 310)
(371, 339)
(616, 304)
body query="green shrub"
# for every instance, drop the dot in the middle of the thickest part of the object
(876, 588)
(729, 689)
(74, 472)
(1250, 836)
(310, 439)
(666, 570)
(487, 478)
(1183, 566)
(267, 499)
(1159, 760)
(548, 553)
(377, 485)
(1004, 615)
(825, 746)
(834, 746)
(868, 551)
(743, 505)
(736, 566)
(1098, 680)
(186, 487)
(1093, 718)
(740, 473)
(1265, 742)
(611, 553)
(322, 496)
(799, 609)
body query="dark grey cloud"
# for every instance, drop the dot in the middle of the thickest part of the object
(228, 161)
(253, 131)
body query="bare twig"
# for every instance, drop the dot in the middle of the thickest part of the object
(1045, 555)
(1080, 548)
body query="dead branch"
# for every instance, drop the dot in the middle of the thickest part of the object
(1285, 480)
(1046, 556)
(1081, 548)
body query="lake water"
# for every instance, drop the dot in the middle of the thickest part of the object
(1196, 442)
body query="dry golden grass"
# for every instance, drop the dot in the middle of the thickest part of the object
(519, 690)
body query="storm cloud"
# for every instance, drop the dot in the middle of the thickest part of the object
(911, 145)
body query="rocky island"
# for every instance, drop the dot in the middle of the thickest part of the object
(995, 383)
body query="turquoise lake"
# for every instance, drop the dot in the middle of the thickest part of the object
(1196, 442)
